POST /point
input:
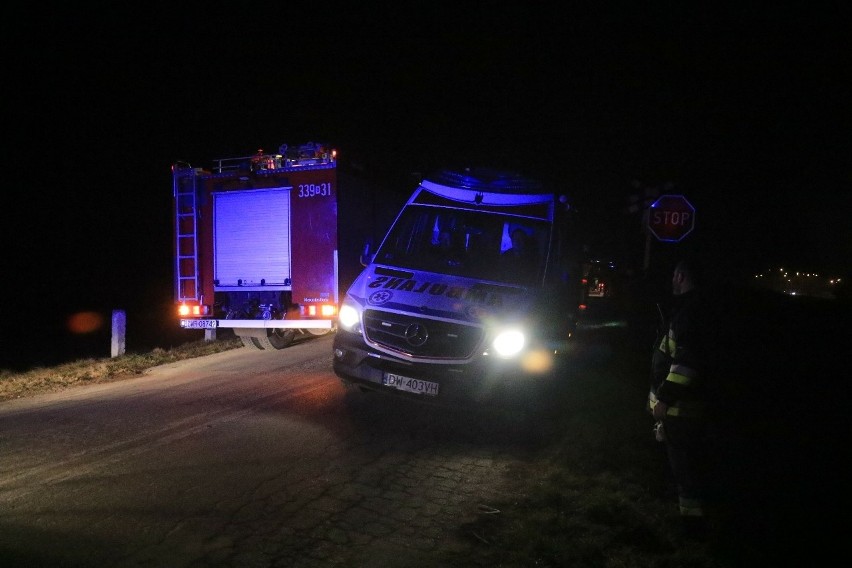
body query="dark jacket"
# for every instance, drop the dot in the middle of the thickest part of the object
(679, 364)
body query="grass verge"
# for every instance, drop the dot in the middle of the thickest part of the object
(93, 371)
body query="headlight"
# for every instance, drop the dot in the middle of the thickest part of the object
(348, 317)
(509, 343)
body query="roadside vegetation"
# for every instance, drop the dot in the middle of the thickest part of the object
(43, 380)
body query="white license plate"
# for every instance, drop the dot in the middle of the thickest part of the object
(198, 324)
(408, 384)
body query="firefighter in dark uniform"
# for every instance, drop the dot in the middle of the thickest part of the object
(678, 400)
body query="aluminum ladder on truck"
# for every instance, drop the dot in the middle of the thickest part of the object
(186, 236)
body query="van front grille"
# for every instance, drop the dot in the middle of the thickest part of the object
(421, 337)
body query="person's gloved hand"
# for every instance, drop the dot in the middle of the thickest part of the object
(660, 410)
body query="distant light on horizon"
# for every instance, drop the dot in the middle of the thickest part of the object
(797, 283)
(85, 322)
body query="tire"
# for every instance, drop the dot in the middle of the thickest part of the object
(317, 331)
(250, 342)
(277, 339)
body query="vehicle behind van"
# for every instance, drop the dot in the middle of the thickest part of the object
(472, 293)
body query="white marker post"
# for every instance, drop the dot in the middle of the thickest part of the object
(119, 328)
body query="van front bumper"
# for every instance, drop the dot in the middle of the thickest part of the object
(480, 380)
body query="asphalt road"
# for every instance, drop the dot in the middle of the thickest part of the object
(248, 458)
(244, 458)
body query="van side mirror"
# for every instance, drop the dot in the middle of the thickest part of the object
(366, 255)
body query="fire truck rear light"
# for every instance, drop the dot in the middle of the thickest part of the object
(319, 310)
(194, 310)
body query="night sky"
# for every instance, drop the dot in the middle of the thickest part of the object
(744, 111)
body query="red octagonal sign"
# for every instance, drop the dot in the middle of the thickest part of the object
(671, 218)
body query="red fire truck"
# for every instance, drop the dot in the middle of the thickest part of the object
(255, 246)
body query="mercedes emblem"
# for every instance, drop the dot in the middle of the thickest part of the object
(416, 334)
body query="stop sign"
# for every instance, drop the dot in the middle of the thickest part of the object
(671, 218)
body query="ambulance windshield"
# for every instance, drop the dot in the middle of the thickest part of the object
(471, 244)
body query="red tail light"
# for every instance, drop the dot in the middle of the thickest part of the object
(321, 310)
(193, 310)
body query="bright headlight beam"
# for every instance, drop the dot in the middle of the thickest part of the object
(348, 316)
(509, 343)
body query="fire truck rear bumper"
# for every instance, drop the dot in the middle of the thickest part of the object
(256, 324)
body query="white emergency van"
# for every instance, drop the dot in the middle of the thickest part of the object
(473, 292)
